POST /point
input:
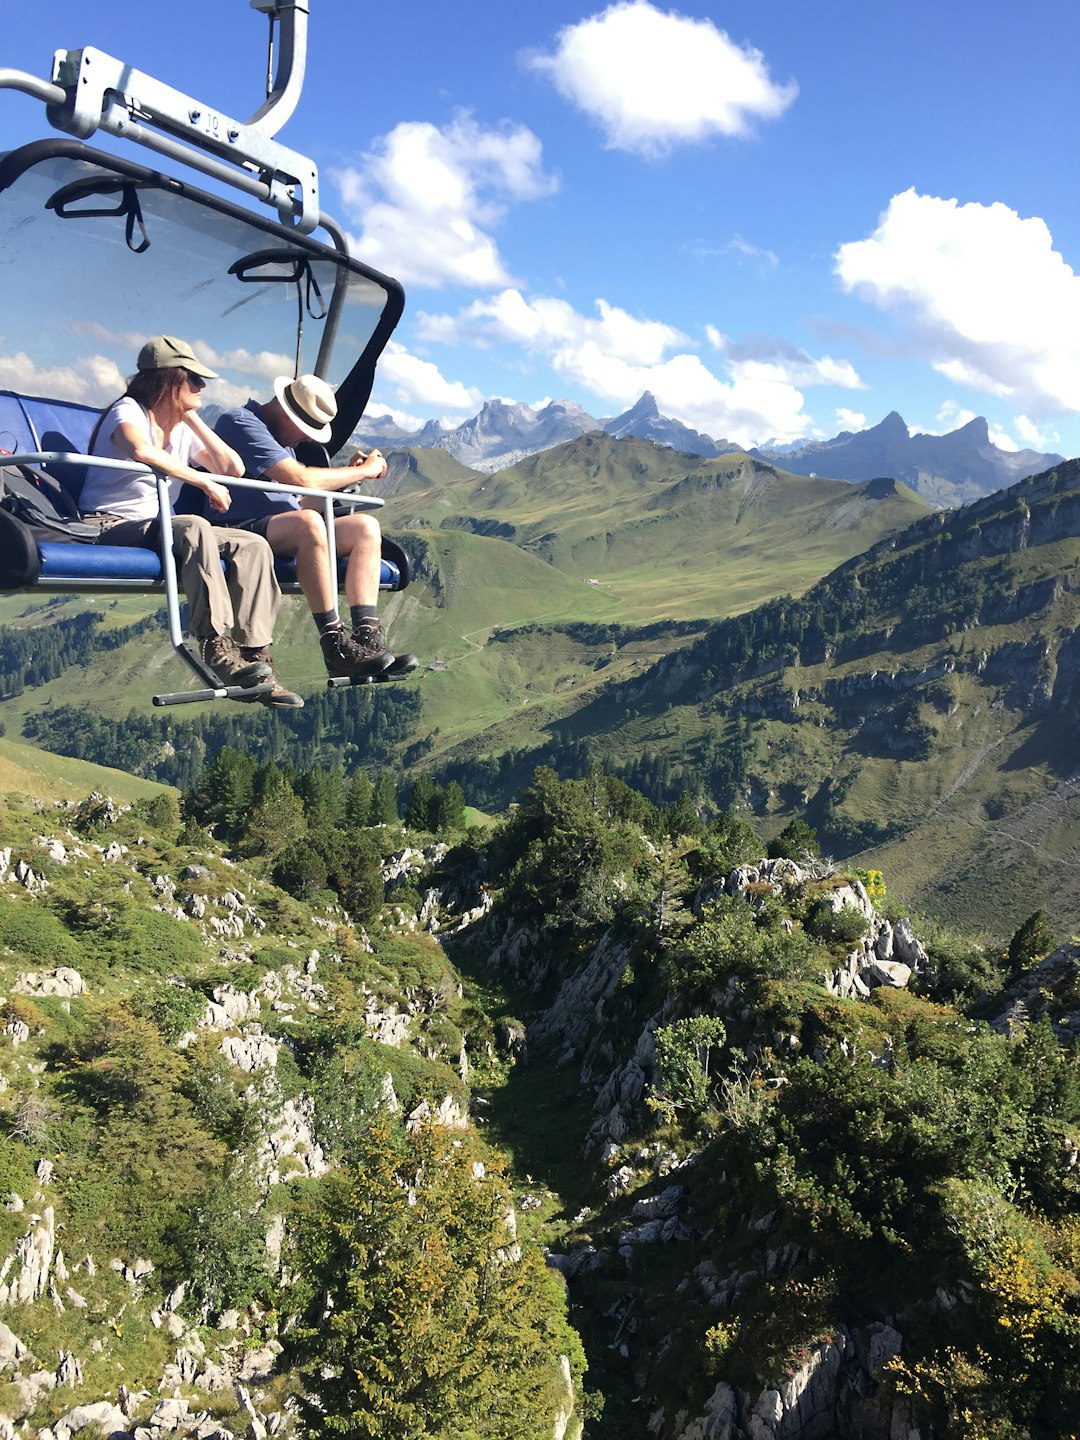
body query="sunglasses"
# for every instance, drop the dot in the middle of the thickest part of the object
(195, 381)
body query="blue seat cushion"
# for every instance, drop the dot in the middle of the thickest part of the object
(129, 563)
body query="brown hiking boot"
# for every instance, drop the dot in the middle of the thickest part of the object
(221, 655)
(352, 657)
(278, 698)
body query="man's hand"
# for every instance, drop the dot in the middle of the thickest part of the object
(372, 466)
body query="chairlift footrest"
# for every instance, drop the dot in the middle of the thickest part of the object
(343, 682)
(222, 692)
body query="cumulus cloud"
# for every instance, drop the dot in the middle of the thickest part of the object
(853, 420)
(130, 340)
(953, 415)
(420, 383)
(93, 380)
(652, 79)
(401, 418)
(1001, 438)
(616, 356)
(961, 373)
(426, 199)
(549, 325)
(990, 302)
(1034, 435)
(261, 364)
(789, 362)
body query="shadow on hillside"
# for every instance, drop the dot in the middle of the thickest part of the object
(535, 1112)
(539, 1118)
(1053, 743)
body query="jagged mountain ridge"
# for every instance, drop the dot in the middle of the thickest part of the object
(503, 433)
(947, 469)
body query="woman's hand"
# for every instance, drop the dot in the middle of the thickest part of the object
(218, 495)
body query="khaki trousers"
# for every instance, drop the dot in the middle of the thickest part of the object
(242, 602)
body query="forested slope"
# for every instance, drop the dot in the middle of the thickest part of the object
(309, 1123)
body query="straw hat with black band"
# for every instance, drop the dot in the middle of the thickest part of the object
(309, 403)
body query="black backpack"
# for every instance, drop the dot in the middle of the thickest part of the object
(34, 506)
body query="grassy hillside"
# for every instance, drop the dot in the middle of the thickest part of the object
(919, 705)
(665, 534)
(26, 770)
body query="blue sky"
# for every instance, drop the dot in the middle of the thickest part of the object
(784, 219)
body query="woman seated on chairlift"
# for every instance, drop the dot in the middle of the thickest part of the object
(156, 423)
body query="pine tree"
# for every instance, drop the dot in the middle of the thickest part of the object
(448, 809)
(358, 801)
(1033, 940)
(435, 1329)
(276, 822)
(384, 802)
(419, 811)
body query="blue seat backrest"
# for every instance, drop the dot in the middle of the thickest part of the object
(28, 422)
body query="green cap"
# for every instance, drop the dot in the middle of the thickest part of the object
(165, 352)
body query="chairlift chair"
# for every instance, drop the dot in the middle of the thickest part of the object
(116, 250)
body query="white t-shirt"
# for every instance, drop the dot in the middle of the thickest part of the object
(126, 492)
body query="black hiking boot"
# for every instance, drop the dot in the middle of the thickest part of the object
(353, 658)
(369, 634)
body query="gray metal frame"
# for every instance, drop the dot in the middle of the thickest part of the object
(91, 90)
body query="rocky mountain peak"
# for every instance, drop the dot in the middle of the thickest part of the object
(894, 424)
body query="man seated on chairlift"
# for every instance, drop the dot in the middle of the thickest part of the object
(265, 436)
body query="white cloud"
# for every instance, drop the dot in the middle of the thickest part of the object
(616, 356)
(961, 373)
(1001, 438)
(786, 362)
(767, 259)
(94, 380)
(401, 418)
(951, 416)
(1034, 435)
(853, 420)
(552, 326)
(652, 79)
(992, 304)
(263, 365)
(420, 383)
(426, 198)
(130, 340)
